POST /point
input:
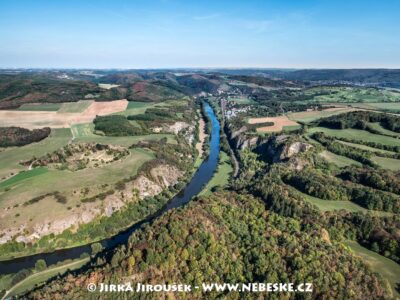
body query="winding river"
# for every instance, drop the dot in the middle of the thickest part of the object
(199, 179)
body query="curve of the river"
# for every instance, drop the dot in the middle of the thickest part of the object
(196, 184)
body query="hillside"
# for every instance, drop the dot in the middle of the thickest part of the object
(19, 89)
(226, 238)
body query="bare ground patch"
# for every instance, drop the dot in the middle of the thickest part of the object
(279, 123)
(39, 119)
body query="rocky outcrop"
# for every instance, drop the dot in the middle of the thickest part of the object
(284, 148)
(160, 178)
(294, 148)
(239, 140)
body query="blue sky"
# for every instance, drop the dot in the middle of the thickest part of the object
(174, 33)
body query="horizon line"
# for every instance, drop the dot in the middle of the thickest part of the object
(201, 68)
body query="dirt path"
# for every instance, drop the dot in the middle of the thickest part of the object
(8, 292)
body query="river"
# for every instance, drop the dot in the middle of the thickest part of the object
(200, 178)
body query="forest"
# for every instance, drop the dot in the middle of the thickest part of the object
(17, 136)
(228, 237)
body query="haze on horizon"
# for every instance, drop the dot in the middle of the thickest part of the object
(199, 34)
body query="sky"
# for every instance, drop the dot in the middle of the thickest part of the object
(199, 34)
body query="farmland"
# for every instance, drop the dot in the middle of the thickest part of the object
(309, 116)
(40, 107)
(351, 95)
(279, 123)
(26, 194)
(356, 134)
(297, 194)
(10, 157)
(38, 119)
(75, 107)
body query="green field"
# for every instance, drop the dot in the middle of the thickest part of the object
(307, 117)
(84, 133)
(221, 177)
(351, 94)
(327, 205)
(387, 268)
(340, 161)
(75, 107)
(40, 107)
(10, 157)
(387, 163)
(65, 180)
(378, 127)
(357, 134)
(22, 176)
(363, 147)
(137, 108)
(291, 128)
(67, 183)
(395, 106)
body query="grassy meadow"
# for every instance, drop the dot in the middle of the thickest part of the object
(357, 134)
(221, 176)
(387, 268)
(10, 157)
(339, 160)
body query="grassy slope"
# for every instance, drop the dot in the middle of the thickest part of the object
(380, 264)
(10, 157)
(309, 117)
(84, 133)
(378, 127)
(22, 176)
(327, 205)
(386, 105)
(339, 160)
(357, 135)
(359, 146)
(387, 163)
(64, 180)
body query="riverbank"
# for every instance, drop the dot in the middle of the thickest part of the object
(198, 181)
(40, 277)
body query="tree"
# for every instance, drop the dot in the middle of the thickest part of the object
(96, 248)
(40, 265)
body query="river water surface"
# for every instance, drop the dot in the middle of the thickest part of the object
(196, 184)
